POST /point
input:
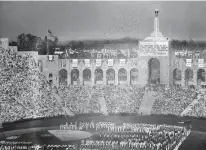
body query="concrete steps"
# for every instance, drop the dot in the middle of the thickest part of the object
(189, 107)
(103, 106)
(59, 100)
(147, 103)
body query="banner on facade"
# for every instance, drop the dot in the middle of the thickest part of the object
(74, 62)
(110, 62)
(122, 62)
(189, 62)
(98, 62)
(179, 53)
(51, 57)
(87, 63)
(63, 63)
(200, 63)
(153, 48)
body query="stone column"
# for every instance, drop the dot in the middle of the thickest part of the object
(128, 76)
(104, 77)
(195, 77)
(56, 79)
(92, 75)
(68, 77)
(116, 77)
(81, 76)
(183, 78)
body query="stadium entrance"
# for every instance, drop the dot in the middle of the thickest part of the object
(122, 76)
(110, 76)
(188, 77)
(154, 71)
(63, 77)
(87, 76)
(154, 52)
(98, 76)
(200, 76)
(75, 77)
(134, 76)
(177, 77)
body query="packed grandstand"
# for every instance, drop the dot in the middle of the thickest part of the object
(25, 93)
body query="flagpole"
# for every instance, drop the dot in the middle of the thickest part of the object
(47, 42)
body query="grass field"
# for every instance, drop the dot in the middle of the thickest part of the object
(34, 129)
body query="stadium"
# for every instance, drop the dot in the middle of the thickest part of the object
(150, 97)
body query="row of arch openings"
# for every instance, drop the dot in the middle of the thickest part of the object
(98, 76)
(189, 75)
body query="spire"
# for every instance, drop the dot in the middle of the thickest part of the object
(156, 35)
(156, 22)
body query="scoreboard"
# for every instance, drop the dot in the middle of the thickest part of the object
(153, 48)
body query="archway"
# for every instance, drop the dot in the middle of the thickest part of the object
(74, 77)
(154, 71)
(98, 76)
(110, 76)
(87, 76)
(200, 76)
(134, 74)
(122, 76)
(177, 76)
(63, 77)
(188, 77)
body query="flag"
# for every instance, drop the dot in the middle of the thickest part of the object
(71, 51)
(50, 33)
(67, 54)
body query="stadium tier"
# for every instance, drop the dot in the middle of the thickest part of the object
(150, 61)
(151, 79)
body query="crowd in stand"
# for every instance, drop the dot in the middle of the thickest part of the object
(25, 93)
(85, 99)
(123, 99)
(172, 100)
(79, 99)
(199, 108)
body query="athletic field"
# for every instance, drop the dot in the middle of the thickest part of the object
(39, 130)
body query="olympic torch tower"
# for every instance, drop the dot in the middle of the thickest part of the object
(154, 50)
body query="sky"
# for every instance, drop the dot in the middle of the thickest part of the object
(102, 20)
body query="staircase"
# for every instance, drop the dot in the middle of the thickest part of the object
(102, 102)
(147, 103)
(189, 107)
(59, 100)
(103, 106)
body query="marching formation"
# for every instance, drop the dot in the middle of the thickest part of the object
(125, 135)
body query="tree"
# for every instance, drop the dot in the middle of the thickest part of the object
(27, 42)
(13, 43)
(52, 44)
(42, 47)
(22, 84)
(175, 44)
